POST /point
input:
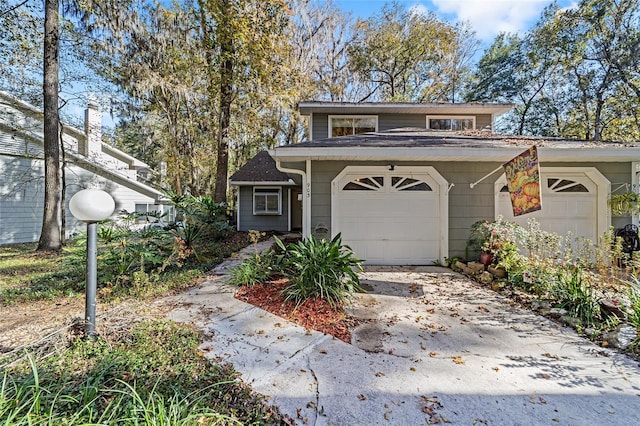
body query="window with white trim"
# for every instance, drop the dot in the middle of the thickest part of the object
(155, 213)
(267, 200)
(443, 122)
(346, 125)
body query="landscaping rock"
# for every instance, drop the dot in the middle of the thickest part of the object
(621, 337)
(497, 285)
(497, 272)
(612, 308)
(459, 265)
(541, 305)
(476, 266)
(557, 312)
(468, 271)
(570, 320)
(485, 277)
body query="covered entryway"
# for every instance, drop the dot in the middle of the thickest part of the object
(391, 215)
(573, 200)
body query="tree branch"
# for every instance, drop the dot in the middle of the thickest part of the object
(6, 12)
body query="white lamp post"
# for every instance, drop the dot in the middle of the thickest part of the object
(91, 206)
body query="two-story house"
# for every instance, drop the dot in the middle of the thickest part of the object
(88, 163)
(403, 183)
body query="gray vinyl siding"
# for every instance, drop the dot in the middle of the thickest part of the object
(320, 124)
(22, 197)
(249, 221)
(389, 121)
(466, 205)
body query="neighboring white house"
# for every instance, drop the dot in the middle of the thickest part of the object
(89, 163)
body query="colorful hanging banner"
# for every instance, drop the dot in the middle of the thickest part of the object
(523, 182)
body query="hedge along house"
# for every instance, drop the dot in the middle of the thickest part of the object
(408, 189)
(88, 163)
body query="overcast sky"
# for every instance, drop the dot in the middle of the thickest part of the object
(488, 17)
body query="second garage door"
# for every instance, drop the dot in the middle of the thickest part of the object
(392, 217)
(573, 201)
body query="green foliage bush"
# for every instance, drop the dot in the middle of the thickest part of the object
(320, 268)
(500, 239)
(208, 216)
(132, 257)
(569, 272)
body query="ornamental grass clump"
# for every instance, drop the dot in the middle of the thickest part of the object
(152, 374)
(634, 303)
(320, 268)
(254, 270)
(575, 294)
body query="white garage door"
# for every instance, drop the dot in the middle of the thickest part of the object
(390, 217)
(571, 202)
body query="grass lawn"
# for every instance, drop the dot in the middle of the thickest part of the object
(144, 372)
(27, 275)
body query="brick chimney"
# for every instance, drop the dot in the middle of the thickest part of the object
(93, 131)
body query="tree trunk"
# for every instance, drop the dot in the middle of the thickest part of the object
(227, 52)
(51, 235)
(597, 119)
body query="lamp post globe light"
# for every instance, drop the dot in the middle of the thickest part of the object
(91, 206)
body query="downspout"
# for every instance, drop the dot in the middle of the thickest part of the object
(238, 209)
(635, 186)
(290, 202)
(306, 196)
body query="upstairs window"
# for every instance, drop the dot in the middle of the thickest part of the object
(267, 201)
(343, 125)
(440, 122)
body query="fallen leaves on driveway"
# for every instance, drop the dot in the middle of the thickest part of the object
(429, 407)
(457, 359)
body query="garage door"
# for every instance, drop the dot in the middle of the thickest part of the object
(572, 202)
(391, 217)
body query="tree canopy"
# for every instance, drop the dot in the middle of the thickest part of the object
(202, 85)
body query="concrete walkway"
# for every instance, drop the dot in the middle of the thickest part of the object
(437, 348)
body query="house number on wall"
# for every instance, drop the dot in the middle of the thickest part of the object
(308, 190)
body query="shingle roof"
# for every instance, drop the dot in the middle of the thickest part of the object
(412, 144)
(472, 108)
(414, 137)
(261, 168)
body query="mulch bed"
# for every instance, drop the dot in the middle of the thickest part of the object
(315, 314)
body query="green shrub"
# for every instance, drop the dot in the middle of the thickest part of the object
(124, 254)
(209, 216)
(322, 269)
(500, 239)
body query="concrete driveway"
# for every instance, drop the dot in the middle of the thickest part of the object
(438, 348)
